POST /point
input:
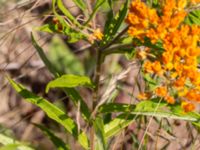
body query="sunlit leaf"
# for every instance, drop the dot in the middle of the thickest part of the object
(100, 134)
(144, 108)
(81, 4)
(53, 112)
(70, 81)
(12, 144)
(114, 23)
(72, 93)
(193, 17)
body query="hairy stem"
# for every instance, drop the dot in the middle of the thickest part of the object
(95, 97)
(97, 83)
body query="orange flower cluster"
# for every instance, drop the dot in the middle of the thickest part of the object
(178, 64)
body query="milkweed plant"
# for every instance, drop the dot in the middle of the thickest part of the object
(163, 37)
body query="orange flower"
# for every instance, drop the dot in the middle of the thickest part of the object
(177, 66)
(167, 57)
(143, 96)
(156, 67)
(188, 107)
(192, 95)
(98, 34)
(161, 91)
(148, 67)
(180, 82)
(170, 99)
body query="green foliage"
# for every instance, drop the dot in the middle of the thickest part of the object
(74, 33)
(69, 81)
(113, 23)
(193, 17)
(42, 55)
(81, 4)
(60, 145)
(72, 93)
(63, 59)
(12, 144)
(97, 5)
(146, 108)
(53, 112)
(100, 134)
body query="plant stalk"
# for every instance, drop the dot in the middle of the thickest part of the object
(95, 97)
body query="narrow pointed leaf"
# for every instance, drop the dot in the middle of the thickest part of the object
(145, 108)
(53, 112)
(193, 17)
(70, 81)
(62, 57)
(60, 145)
(98, 4)
(80, 4)
(66, 12)
(118, 124)
(100, 134)
(12, 143)
(42, 55)
(114, 23)
(73, 94)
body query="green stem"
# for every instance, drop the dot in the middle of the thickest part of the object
(95, 98)
(100, 56)
(103, 48)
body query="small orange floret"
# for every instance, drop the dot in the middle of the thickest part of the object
(148, 67)
(170, 99)
(161, 91)
(180, 82)
(98, 34)
(157, 68)
(192, 95)
(143, 96)
(188, 107)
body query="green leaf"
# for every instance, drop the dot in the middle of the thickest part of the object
(100, 134)
(73, 35)
(63, 59)
(116, 107)
(73, 94)
(42, 55)
(118, 124)
(11, 147)
(11, 143)
(80, 4)
(50, 28)
(53, 112)
(113, 24)
(76, 98)
(61, 6)
(146, 108)
(193, 18)
(70, 81)
(153, 3)
(60, 145)
(98, 4)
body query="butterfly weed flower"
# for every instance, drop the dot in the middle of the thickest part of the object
(177, 65)
(96, 35)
